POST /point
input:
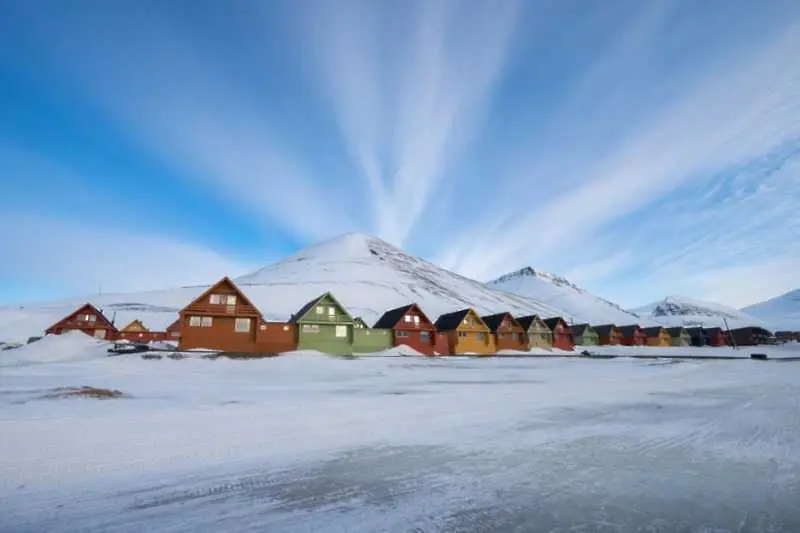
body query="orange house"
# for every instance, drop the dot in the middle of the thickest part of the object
(466, 333)
(88, 319)
(224, 319)
(657, 336)
(609, 334)
(507, 333)
(136, 331)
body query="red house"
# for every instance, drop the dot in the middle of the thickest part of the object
(716, 337)
(87, 319)
(633, 335)
(562, 336)
(411, 327)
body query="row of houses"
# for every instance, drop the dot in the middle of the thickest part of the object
(223, 318)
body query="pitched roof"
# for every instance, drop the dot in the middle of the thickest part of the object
(450, 321)
(309, 305)
(652, 330)
(627, 331)
(553, 320)
(696, 331)
(134, 323)
(527, 320)
(496, 320)
(579, 329)
(605, 330)
(86, 308)
(224, 281)
(390, 318)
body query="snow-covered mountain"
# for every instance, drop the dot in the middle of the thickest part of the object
(683, 311)
(576, 303)
(781, 313)
(366, 274)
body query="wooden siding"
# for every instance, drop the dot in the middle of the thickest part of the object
(562, 336)
(470, 336)
(86, 319)
(414, 329)
(369, 340)
(216, 322)
(325, 326)
(509, 335)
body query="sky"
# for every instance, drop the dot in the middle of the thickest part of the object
(641, 148)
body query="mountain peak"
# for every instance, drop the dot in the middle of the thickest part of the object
(529, 271)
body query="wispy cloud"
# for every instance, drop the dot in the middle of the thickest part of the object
(84, 255)
(167, 93)
(741, 108)
(408, 107)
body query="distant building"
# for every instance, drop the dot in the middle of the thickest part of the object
(466, 333)
(87, 319)
(507, 333)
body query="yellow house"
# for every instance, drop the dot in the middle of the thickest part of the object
(466, 333)
(657, 336)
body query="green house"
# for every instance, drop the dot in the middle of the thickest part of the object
(370, 340)
(679, 336)
(323, 324)
(584, 335)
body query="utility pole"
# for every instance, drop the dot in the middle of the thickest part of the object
(730, 336)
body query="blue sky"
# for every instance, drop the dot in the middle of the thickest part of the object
(640, 148)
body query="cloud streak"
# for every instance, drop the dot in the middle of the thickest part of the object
(726, 118)
(407, 109)
(161, 87)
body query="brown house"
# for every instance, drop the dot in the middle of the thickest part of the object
(87, 319)
(224, 319)
(465, 332)
(632, 335)
(609, 335)
(562, 336)
(411, 327)
(752, 336)
(506, 331)
(657, 336)
(136, 331)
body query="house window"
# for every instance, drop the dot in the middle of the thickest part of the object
(341, 331)
(100, 333)
(231, 299)
(424, 335)
(87, 318)
(175, 334)
(402, 334)
(242, 325)
(195, 321)
(216, 299)
(515, 336)
(416, 320)
(285, 328)
(407, 318)
(480, 336)
(310, 328)
(320, 309)
(207, 322)
(331, 311)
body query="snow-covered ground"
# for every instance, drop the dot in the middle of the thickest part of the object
(305, 442)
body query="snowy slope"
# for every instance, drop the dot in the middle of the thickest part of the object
(370, 276)
(781, 313)
(366, 274)
(683, 311)
(576, 303)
